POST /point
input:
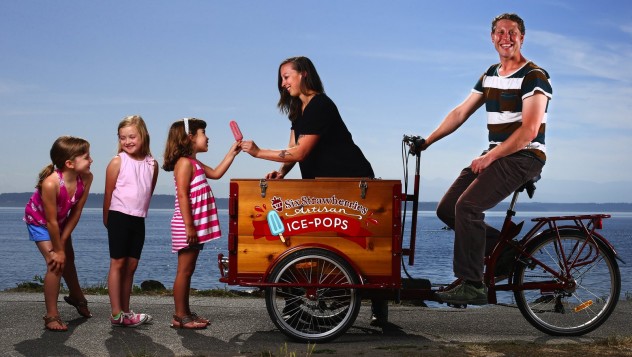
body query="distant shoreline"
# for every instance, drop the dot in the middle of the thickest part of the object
(95, 200)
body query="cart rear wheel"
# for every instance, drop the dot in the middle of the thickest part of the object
(585, 303)
(313, 314)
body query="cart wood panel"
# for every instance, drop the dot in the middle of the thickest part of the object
(358, 218)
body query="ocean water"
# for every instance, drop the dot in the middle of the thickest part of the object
(20, 260)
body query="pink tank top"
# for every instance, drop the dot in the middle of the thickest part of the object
(34, 213)
(204, 212)
(133, 189)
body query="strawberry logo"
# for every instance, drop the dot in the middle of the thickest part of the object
(277, 203)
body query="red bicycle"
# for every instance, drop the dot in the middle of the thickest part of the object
(329, 243)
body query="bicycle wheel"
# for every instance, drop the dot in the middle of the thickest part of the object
(583, 305)
(313, 314)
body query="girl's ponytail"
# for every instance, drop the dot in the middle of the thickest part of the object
(46, 171)
(64, 148)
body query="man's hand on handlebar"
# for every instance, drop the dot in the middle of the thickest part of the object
(416, 143)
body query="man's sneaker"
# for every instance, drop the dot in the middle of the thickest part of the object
(129, 319)
(464, 293)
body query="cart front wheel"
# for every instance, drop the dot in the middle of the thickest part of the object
(313, 314)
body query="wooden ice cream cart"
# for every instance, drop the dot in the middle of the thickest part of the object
(335, 236)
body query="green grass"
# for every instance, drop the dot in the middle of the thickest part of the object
(36, 285)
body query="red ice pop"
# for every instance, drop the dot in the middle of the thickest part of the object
(235, 129)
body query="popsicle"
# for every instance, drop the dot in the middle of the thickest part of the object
(235, 129)
(275, 224)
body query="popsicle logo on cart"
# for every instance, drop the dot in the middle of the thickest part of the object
(308, 214)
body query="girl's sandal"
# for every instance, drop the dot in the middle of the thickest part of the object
(56, 319)
(80, 305)
(200, 319)
(187, 322)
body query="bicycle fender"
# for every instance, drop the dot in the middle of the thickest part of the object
(574, 229)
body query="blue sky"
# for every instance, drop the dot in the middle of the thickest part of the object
(392, 67)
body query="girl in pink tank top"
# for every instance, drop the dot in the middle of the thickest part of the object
(194, 221)
(52, 214)
(130, 179)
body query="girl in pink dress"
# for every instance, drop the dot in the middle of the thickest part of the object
(194, 219)
(51, 215)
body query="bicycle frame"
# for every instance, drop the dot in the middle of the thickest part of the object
(586, 224)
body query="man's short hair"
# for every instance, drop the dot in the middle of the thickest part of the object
(512, 17)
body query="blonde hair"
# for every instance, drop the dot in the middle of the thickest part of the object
(139, 123)
(64, 148)
(179, 143)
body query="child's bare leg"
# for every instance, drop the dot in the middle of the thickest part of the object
(70, 274)
(115, 279)
(182, 284)
(76, 297)
(51, 280)
(128, 280)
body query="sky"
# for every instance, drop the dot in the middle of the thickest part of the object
(392, 68)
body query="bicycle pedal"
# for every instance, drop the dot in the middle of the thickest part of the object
(456, 306)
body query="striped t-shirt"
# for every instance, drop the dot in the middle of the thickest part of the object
(503, 102)
(203, 209)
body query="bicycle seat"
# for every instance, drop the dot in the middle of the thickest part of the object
(529, 186)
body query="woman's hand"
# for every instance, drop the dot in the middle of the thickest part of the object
(274, 175)
(250, 147)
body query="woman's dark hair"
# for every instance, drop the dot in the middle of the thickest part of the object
(179, 143)
(309, 83)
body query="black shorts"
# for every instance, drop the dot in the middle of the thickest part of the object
(126, 235)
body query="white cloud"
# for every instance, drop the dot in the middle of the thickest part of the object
(9, 88)
(592, 104)
(575, 57)
(626, 29)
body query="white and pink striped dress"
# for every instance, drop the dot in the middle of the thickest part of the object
(203, 209)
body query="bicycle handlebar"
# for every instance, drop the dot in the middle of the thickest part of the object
(415, 142)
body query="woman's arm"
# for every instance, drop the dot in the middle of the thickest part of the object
(296, 151)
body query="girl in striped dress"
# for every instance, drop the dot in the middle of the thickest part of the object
(194, 220)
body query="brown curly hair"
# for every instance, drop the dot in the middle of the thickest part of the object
(179, 143)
